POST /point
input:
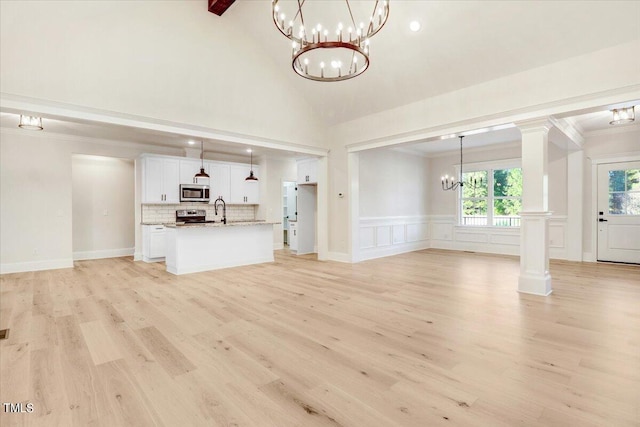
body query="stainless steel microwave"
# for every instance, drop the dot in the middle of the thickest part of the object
(194, 193)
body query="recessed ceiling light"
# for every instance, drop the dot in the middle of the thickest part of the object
(191, 142)
(414, 26)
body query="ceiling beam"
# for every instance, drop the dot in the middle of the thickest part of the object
(219, 6)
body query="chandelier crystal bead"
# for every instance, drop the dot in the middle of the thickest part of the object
(315, 44)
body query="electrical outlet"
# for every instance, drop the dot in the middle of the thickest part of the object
(35, 251)
(105, 213)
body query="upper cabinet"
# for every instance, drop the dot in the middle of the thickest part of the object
(188, 171)
(308, 171)
(219, 182)
(160, 180)
(161, 177)
(242, 191)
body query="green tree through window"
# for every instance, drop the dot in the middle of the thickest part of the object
(499, 207)
(624, 192)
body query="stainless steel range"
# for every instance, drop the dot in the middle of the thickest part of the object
(192, 216)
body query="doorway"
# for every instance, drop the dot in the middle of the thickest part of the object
(103, 206)
(289, 208)
(618, 213)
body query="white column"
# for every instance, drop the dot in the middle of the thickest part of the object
(534, 230)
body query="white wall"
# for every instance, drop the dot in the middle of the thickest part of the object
(103, 208)
(35, 203)
(393, 203)
(167, 60)
(393, 183)
(36, 195)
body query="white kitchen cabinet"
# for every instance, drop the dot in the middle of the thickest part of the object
(243, 192)
(293, 236)
(219, 182)
(160, 180)
(153, 243)
(189, 169)
(308, 171)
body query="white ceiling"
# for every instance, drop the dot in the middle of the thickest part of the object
(461, 43)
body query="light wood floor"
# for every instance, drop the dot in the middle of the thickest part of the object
(430, 338)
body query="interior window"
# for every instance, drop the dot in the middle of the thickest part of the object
(491, 197)
(507, 197)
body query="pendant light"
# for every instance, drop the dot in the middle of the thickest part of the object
(202, 173)
(622, 115)
(30, 122)
(251, 177)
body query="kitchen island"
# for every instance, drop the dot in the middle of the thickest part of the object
(191, 248)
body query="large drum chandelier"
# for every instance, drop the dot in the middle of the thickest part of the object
(329, 39)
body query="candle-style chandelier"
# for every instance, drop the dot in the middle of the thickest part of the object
(452, 184)
(329, 39)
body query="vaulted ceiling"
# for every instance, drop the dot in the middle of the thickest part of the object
(460, 44)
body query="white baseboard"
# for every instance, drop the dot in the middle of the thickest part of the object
(588, 257)
(278, 246)
(19, 267)
(383, 251)
(137, 256)
(339, 257)
(104, 253)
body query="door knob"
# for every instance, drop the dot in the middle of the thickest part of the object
(603, 220)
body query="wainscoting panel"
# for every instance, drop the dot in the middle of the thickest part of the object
(398, 234)
(446, 234)
(557, 237)
(367, 237)
(474, 237)
(385, 236)
(505, 239)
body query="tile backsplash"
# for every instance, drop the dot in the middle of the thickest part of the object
(167, 213)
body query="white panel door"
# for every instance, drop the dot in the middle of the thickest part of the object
(619, 212)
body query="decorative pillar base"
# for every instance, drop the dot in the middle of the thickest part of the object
(534, 254)
(536, 285)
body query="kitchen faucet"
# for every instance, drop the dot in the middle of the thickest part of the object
(224, 209)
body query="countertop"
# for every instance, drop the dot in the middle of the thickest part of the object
(219, 224)
(216, 224)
